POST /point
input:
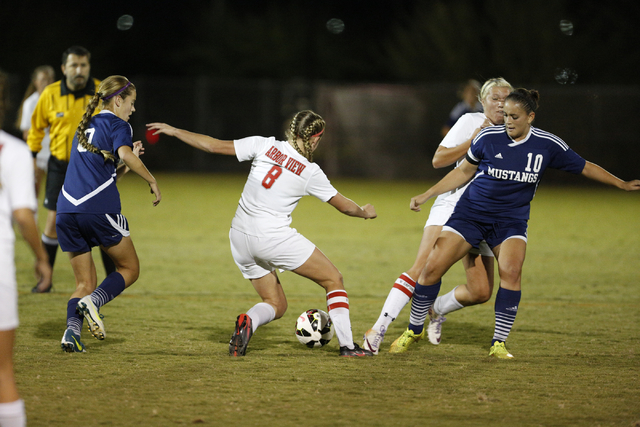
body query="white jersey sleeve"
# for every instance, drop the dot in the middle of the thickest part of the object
(463, 129)
(17, 188)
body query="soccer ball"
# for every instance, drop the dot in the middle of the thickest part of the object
(313, 328)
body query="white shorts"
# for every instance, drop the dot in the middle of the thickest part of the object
(439, 215)
(258, 256)
(8, 289)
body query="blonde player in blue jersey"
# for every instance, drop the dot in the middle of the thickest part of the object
(505, 165)
(282, 172)
(88, 211)
(478, 264)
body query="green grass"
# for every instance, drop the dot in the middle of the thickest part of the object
(165, 360)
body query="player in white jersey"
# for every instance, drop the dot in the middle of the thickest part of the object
(282, 172)
(505, 165)
(17, 203)
(478, 264)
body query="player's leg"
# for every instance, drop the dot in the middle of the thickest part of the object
(56, 171)
(84, 271)
(479, 270)
(448, 249)
(322, 271)
(510, 255)
(401, 292)
(273, 306)
(127, 264)
(12, 411)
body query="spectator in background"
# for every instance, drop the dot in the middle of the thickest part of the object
(60, 109)
(18, 203)
(468, 93)
(42, 76)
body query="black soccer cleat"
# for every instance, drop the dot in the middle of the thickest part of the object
(241, 336)
(355, 352)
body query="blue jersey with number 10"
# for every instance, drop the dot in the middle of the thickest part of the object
(90, 182)
(509, 172)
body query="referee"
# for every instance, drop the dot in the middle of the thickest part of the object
(60, 108)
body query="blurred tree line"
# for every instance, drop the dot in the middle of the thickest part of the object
(343, 40)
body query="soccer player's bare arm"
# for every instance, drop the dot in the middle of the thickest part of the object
(202, 142)
(351, 208)
(597, 173)
(454, 179)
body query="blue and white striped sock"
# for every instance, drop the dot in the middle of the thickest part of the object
(506, 308)
(110, 288)
(74, 320)
(423, 299)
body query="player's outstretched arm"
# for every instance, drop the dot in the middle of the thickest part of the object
(197, 140)
(454, 179)
(351, 208)
(135, 164)
(596, 173)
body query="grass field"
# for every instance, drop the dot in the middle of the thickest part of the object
(165, 360)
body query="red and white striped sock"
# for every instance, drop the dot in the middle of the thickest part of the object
(338, 307)
(398, 297)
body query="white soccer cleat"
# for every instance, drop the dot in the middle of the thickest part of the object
(372, 340)
(93, 316)
(434, 330)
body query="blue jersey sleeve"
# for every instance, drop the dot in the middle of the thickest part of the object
(122, 134)
(568, 161)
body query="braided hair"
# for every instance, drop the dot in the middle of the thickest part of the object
(304, 125)
(109, 88)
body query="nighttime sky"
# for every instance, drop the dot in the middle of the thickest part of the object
(348, 40)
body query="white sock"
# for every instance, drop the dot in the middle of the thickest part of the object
(12, 414)
(399, 295)
(447, 303)
(261, 314)
(338, 306)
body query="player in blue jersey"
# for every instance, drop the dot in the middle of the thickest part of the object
(505, 165)
(88, 211)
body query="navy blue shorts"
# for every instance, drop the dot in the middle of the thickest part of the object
(493, 232)
(79, 232)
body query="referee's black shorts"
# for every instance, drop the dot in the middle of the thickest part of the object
(56, 170)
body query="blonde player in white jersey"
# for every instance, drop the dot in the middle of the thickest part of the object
(479, 265)
(261, 237)
(17, 203)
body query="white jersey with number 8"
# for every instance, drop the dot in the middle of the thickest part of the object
(279, 178)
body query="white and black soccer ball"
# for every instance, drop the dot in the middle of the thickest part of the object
(313, 328)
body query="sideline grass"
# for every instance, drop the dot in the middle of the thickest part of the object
(165, 360)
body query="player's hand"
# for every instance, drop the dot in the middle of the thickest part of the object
(43, 271)
(155, 191)
(162, 128)
(369, 211)
(631, 185)
(416, 202)
(138, 148)
(486, 124)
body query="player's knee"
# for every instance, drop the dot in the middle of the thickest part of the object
(479, 296)
(281, 309)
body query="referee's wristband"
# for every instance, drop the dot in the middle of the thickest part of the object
(34, 154)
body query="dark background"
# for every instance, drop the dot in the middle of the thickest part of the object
(241, 67)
